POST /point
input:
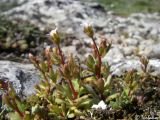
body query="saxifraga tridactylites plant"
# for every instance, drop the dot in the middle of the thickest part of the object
(68, 90)
(73, 95)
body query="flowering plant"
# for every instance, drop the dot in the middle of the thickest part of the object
(69, 90)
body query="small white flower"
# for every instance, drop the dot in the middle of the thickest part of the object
(47, 50)
(88, 29)
(30, 55)
(55, 36)
(53, 32)
(86, 24)
(101, 105)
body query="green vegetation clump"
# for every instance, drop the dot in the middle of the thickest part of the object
(126, 7)
(69, 87)
(19, 37)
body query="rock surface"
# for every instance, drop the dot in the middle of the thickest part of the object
(65, 14)
(121, 67)
(23, 77)
(135, 33)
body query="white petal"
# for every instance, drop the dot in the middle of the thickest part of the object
(53, 32)
(95, 106)
(102, 105)
(86, 24)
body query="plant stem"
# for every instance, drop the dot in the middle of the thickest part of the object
(45, 77)
(99, 58)
(75, 94)
(17, 109)
(61, 55)
(20, 113)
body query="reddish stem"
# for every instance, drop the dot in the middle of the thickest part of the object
(99, 58)
(69, 81)
(20, 113)
(17, 109)
(75, 94)
(49, 62)
(60, 53)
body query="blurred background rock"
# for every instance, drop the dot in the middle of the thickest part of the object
(133, 26)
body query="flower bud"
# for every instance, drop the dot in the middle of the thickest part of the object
(31, 57)
(88, 29)
(47, 51)
(66, 71)
(55, 36)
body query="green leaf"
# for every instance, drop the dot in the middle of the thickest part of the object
(55, 109)
(108, 81)
(65, 90)
(21, 105)
(86, 104)
(126, 91)
(13, 116)
(59, 101)
(53, 76)
(113, 96)
(59, 87)
(102, 51)
(43, 66)
(115, 105)
(90, 90)
(55, 59)
(90, 63)
(134, 85)
(43, 85)
(106, 69)
(82, 99)
(76, 84)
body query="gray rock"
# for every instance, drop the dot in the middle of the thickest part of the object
(135, 30)
(23, 77)
(115, 55)
(150, 50)
(129, 51)
(69, 50)
(67, 15)
(126, 65)
(131, 41)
